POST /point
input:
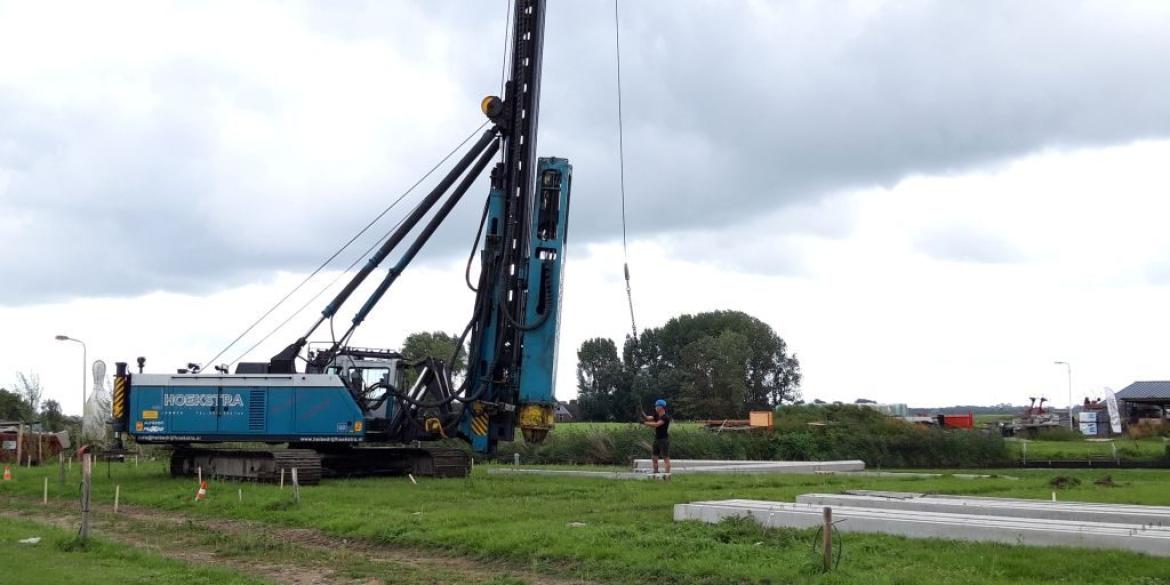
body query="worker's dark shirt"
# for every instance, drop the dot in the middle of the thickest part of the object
(662, 432)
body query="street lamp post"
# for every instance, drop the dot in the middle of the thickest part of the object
(84, 360)
(1070, 402)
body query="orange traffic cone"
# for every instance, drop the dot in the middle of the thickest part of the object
(202, 493)
(7, 473)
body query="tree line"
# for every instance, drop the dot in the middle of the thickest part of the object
(23, 404)
(719, 364)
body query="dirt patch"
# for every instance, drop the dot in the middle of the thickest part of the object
(1106, 481)
(1063, 482)
(295, 556)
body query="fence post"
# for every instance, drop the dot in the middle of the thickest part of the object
(86, 485)
(296, 486)
(828, 539)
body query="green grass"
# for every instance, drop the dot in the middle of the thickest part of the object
(982, 419)
(1143, 449)
(629, 535)
(61, 560)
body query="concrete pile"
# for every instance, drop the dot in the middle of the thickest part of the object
(1035, 523)
(691, 466)
(1157, 516)
(571, 473)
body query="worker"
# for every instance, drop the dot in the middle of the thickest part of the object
(661, 423)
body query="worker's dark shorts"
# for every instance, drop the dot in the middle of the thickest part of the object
(661, 448)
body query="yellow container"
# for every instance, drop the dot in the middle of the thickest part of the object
(760, 418)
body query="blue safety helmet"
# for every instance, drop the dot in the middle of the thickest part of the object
(660, 402)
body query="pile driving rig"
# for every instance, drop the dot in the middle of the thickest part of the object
(348, 412)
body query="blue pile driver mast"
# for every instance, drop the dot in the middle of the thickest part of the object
(348, 410)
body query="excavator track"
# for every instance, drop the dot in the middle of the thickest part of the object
(417, 461)
(264, 465)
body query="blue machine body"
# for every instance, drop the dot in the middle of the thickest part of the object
(546, 262)
(276, 408)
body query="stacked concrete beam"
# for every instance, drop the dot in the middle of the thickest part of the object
(919, 524)
(690, 466)
(1158, 516)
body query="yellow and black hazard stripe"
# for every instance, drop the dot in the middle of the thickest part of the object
(119, 406)
(479, 424)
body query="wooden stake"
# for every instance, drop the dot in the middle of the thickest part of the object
(86, 485)
(61, 468)
(117, 494)
(411, 476)
(828, 539)
(240, 494)
(199, 470)
(296, 486)
(45, 497)
(282, 478)
(40, 448)
(19, 443)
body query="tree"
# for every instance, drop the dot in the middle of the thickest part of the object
(658, 364)
(436, 344)
(30, 387)
(52, 417)
(600, 385)
(715, 376)
(13, 406)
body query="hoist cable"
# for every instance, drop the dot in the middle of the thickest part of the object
(340, 250)
(617, 38)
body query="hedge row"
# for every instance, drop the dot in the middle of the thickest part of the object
(837, 433)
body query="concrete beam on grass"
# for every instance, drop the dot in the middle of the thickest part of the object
(573, 473)
(1158, 516)
(916, 474)
(918, 524)
(754, 467)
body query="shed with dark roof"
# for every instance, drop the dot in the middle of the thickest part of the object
(1145, 400)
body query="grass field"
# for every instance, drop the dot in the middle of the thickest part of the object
(59, 559)
(981, 419)
(1144, 449)
(628, 535)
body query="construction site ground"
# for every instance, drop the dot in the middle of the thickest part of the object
(530, 529)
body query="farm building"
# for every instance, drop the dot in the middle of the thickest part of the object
(564, 413)
(1145, 402)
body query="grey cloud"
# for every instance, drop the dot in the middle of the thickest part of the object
(733, 111)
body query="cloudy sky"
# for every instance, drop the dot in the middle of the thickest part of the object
(930, 201)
